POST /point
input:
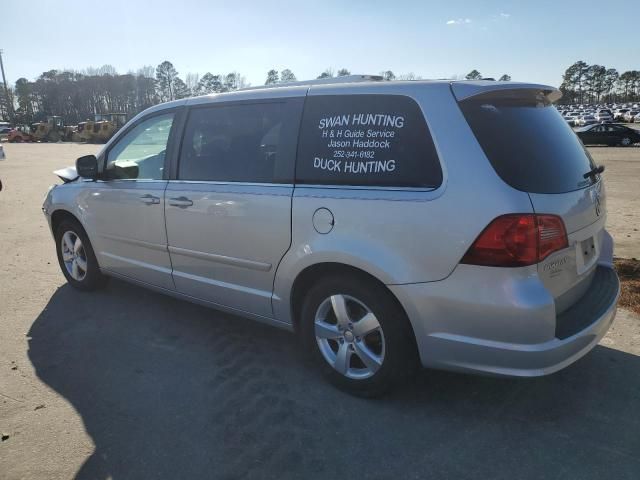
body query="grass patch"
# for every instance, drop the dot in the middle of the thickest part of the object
(629, 273)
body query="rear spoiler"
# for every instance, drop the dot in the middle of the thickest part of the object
(464, 90)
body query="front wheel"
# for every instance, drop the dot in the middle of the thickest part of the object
(625, 142)
(358, 335)
(76, 257)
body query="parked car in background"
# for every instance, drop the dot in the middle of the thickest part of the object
(286, 205)
(4, 132)
(619, 114)
(630, 115)
(603, 116)
(610, 134)
(583, 120)
(636, 119)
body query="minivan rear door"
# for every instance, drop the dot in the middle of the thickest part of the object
(533, 149)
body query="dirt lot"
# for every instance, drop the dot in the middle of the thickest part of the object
(622, 176)
(128, 384)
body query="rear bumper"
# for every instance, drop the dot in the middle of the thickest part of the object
(515, 332)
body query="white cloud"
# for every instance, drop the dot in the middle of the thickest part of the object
(504, 15)
(459, 21)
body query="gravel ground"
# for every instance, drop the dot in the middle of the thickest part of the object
(129, 384)
(622, 177)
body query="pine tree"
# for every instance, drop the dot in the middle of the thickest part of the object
(209, 84)
(166, 76)
(328, 73)
(272, 77)
(287, 76)
(180, 89)
(474, 75)
(388, 75)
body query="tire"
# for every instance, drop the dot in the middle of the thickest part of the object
(389, 349)
(625, 142)
(77, 262)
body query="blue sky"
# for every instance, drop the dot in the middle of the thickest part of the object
(531, 41)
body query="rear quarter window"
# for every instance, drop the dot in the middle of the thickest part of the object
(366, 140)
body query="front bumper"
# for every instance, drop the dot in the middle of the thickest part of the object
(505, 325)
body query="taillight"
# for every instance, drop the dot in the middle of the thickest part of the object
(517, 240)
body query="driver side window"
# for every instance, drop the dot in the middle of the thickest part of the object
(139, 155)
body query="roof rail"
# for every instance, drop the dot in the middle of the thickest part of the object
(322, 81)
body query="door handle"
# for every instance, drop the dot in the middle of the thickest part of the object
(180, 202)
(150, 199)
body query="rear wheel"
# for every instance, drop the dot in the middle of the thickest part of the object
(357, 334)
(76, 257)
(625, 142)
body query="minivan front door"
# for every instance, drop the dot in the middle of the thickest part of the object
(125, 211)
(228, 213)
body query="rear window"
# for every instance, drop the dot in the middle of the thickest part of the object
(528, 143)
(366, 140)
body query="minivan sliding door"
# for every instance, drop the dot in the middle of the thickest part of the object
(228, 213)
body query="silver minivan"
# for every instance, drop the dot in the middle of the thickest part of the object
(453, 225)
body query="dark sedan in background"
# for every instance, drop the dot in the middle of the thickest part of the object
(608, 134)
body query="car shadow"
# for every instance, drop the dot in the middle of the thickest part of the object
(167, 390)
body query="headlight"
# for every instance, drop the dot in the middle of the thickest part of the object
(46, 201)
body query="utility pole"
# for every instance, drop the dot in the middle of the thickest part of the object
(6, 91)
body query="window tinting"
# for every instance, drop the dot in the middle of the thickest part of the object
(366, 140)
(528, 143)
(140, 153)
(241, 143)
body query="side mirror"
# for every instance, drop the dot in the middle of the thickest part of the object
(87, 167)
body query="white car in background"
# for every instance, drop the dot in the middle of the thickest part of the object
(603, 116)
(630, 115)
(619, 114)
(572, 118)
(569, 119)
(586, 119)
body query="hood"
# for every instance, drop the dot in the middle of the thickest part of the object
(68, 174)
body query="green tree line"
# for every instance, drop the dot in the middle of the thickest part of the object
(78, 96)
(583, 83)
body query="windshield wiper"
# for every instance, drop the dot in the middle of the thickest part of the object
(594, 171)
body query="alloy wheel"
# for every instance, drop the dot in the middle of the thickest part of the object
(73, 255)
(349, 336)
